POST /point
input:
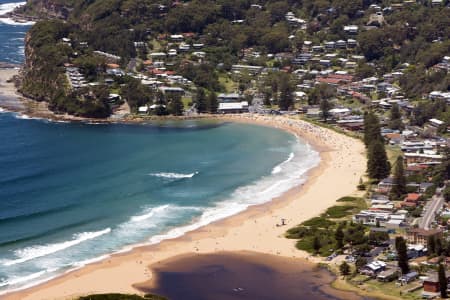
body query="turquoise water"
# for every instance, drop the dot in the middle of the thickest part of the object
(71, 194)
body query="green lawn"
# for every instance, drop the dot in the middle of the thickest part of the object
(187, 102)
(393, 152)
(229, 85)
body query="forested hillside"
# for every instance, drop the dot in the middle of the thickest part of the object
(416, 34)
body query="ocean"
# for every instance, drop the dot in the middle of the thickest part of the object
(12, 34)
(73, 193)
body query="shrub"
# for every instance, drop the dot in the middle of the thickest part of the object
(319, 222)
(339, 211)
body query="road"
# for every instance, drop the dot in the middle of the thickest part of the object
(431, 208)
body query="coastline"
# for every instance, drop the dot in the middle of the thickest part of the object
(342, 163)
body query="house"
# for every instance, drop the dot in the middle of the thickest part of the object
(176, 37)
(330, 45)
(351, 43)
(110, 58)
(412, 158)
(415, 251)
(435, 122)
(407, 278)
(431, 284)
(412, 197)
(233, 107)
(423, 187)
(143, 110)
(385, 185)
(393, 224)
(229, 98)
(368, 217)
(351, 29)
(171, 90)
(341, 44)
(420, 236)
(249, 69)
(388, 275)
(373, 268)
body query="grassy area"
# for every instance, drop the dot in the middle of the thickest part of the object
(156, 45)
(339, 211)
(187, 102)
(322, 229)
(357, 202)
(319, 222)
(121, 297)
(229, 85)
(393, 152)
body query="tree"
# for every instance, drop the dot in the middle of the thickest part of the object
(395, 121)
(438, 246)
(372, 131)
(175, 105)
(378, 166)
(200, 100)
(344, 268)
(325, 107)
(446, 193)
(442, 281)
(431, 245)
(212, 103)
(316, 244)
(286, 89)
(378, 238)
(161, 108)
(402, 255)
(360, 262)
(399, 187)
(339, 237)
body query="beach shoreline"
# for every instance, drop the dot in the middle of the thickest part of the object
(255, 229)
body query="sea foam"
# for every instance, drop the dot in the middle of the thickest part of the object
(37, 251)
(285, 175)
(291, 173)
(173, 175)
(9, 7)
(277, 169)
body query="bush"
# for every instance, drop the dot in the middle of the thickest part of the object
(319, 222)
(297, 232)
(347, 199)
(339, 211)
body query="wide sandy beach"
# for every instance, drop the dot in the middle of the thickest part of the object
(342, 164)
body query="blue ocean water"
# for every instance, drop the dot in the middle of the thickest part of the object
(11, 34)
(73, 193)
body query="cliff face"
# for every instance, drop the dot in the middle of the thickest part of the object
(43, 72)
(47, 9)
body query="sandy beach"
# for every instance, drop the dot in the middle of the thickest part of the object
(342, 164)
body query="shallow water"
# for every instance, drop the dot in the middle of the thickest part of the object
(247, 276)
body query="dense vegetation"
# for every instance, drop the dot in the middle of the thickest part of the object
(332, 232)
(45, 79)
(412, 39)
